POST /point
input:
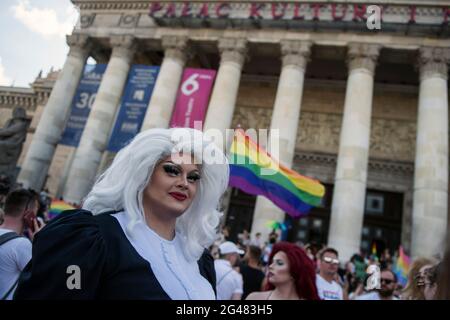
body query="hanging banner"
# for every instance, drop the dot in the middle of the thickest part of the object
(193, 97)
(133, 106)
(82, 103)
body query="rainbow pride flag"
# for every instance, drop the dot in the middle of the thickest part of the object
(256, 172)
(58, 206)
(274, 225)
(402, 266)
(374, 249)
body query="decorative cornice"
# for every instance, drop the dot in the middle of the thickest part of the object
(142, 4)
(375, 165)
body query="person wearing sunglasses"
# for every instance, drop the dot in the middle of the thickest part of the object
(388, 283)
(143, 230)
(326, 283)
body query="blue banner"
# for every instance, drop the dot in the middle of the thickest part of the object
(133, 106)
(82, 103)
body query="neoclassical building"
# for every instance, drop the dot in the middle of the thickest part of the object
(362, 109)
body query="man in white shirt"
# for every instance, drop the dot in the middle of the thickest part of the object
(229, 284)
(388, 281)
(327, 287)
(15, 250)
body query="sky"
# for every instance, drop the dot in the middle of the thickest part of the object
(32, 38)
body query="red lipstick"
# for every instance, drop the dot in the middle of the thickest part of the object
(179, 196)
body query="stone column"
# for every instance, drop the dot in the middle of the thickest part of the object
(223, 99)
(407, 220)
(431, 163)
(162, 102)
(285, 119)
(98, 127)
(55, 114)
(351, 172)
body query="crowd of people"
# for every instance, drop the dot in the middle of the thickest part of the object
(333, 279)
(148, 230)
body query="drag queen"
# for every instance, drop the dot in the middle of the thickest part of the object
(143, 230)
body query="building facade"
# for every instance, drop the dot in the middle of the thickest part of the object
(363, 108)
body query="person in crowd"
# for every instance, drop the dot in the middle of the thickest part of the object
(291, 275)
(415, 284)
(353, 286)
(214, 251)
(5, 188)
(251, 271)
(430, 282)
(15, 250)
(257, 241)
(386, 259)
(144, 228)
(268, 247)
(388, 283)
(443, 275)
(244, 238)
(327, 286)
(229, 281)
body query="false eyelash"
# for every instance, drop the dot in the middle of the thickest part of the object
(171, 169)
(194, 177)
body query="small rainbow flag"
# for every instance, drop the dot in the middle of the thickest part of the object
(274, 225)
(58, 206)
(374, 249)
(402, 266)
(255, 171)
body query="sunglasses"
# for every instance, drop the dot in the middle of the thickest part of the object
(387, 281)
(331, 260)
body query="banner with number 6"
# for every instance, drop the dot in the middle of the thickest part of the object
(82, 103)
(193, 97)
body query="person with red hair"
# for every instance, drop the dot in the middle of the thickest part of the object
(291, 275)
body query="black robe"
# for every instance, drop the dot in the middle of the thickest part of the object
(109, 265)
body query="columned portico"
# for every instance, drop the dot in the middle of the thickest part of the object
(285, 119)
(162, 102)
(98, 127)
(430, 200)
(351, 171)
(51, 125)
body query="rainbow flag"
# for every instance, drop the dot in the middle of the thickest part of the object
(374, 249)
(274, 225)
(256, 172)
(402, 266)
(57, 207)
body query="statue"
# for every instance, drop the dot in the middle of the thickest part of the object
(12, 137)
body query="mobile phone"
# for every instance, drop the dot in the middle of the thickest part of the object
(28, 219)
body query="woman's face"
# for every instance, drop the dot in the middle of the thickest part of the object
(279, 271)
(421, 276)
(172, 187)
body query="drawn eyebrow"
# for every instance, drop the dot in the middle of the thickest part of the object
(181, 168)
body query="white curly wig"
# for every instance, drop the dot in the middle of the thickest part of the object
(121, 186)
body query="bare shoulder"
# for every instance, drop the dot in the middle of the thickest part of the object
(258, 295)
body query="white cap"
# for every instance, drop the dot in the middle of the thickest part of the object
(229, 247)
